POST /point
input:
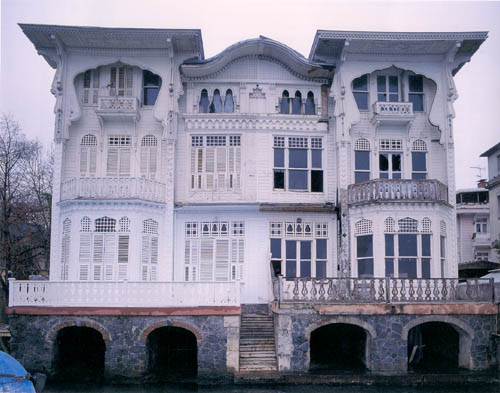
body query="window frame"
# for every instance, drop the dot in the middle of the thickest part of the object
(362, 93)
(387, 91)
(416, 93)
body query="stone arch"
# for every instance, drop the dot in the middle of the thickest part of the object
(52, 333)
(465, 333)
(145, 332)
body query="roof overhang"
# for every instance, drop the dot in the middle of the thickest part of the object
(491, 150)
(328, 45)
(77, 37)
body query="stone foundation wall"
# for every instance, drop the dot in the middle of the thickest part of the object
(33, 338)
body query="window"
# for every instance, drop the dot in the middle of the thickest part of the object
(442, 247)
(91, 87)
(88, 156)
(481, 225)
(299, 249)
(390, 162)
(387, 88)
(215, 162)
(149, 252)
(419, 160)
(416, 92)
(297, 103)
(204, 102)
(298, 164)
(119, 152)
(310, 108)
(151, 87)
(361, 160)
(65, 247)
(229, 102)
(214, 250)
(364, 248)
(104, 252)
(216, 105)
(121, 81)
(360, 91)
(481, 256)
(149, 157)
(285, 103)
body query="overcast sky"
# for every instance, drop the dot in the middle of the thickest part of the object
(26, 77)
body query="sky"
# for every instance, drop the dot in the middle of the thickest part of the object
(25, 77)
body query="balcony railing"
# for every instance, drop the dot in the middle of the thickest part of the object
(113, 188)
(392, 112)
(122, 294)
(481, 239)
(118, 107)
(387, 190)
(382, 290)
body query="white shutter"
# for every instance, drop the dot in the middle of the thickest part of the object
(154, 250)
(85, 248)
(206, 259)
(153, 272)
(129, 82)
(83, 160)
(123, 245)
(109, 256)
(108, 272)
(153, 162)
(145, 257)
(92, 161)
(98, 248)
(210, 167)
(187, 252)
(144, 161)
(97, 272)
(237, 257)
(112, 164)
(144, 271)
(84, 272)
(125, 162)
(222, 260)
(123, 271)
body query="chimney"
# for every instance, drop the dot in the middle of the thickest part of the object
(482, 183)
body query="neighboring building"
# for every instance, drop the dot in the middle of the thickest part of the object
(493, 155)
(183, 183)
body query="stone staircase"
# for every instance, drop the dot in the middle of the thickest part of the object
(257, 346)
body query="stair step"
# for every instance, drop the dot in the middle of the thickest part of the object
(258, 340)
(258, 355)
(257, 347)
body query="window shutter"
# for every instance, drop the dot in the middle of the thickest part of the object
(98, 248)
(145, 272)
(206, 259)
(145, 250)
(123, 244)
(84, 272)
(109, 256)
(108, 272)
(154, 250)
(153, 162)
(144, 161)
(125, 162)
(97, 272)
(129, 89)
(187, 252)
(222, 260)
(123, 272)
(85, 248)
(153, 272)
(237, 256)
(112, 81)
(92, 160)
(112, 164)
(83, 160)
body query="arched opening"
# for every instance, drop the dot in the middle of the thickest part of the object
(285, 103)
(310, 108)
(204, 102)
(172, 351)
(338, 347)
(79, 354)
(433, 346)
(229, 102)
(297, 103)
(216, 106)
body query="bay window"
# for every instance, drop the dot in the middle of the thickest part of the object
(361, 160)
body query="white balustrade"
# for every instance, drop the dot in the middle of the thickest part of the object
(123, 294)
(393, 108)
(118, 103)
(113, 188)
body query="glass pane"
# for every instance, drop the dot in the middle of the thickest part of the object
(396, 162)
(305, 249)
(393, 84)
(361, 100)
(291, 269)
(150, 95)
(416, 83)
(389, 245)
(305, 268)
(393, 97)
(284, 106)
(279, 158)
(419, 175)
(360, 83)
(364, 246)
(310, 107)
(276, 248)
(383, 162)
(426, 268)
(296, 104)
(381, 97)
(276, 267)
(229, 102)
(316, 181)
(396, 175)
(216, 103)
(291, 249)
(362, 160)
(316, 158)
(204, 102)
(365, 268)
(321, 249)
(443, 246)
(407, 245)
(297, 180)
(384, 175)
(418, 102)
(321, 269)
(407, 267)
(389, 267)
(381, 88)
(297, 158)
(279, 179)
(426, 245)
(361, 176)
(418, 161)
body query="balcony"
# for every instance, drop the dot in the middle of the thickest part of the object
(123, 294)
(118, 108)
(392, 113)
(382, 290)
(113, 188)
(481, 240)
(391, 190)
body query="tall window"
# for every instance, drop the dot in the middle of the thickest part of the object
(91, 86)
(310, 108)
(119, 153)
(65, 247)
(215, 162)
(299, 249)
(298, 163)
(285, 102)
(88, 156)
(387, 88)
(481, 225)
(419, 160)
(361, 160)
(297, 103)
(229, 102)
(214, 250)
(121, 81)
(364, 248)
(104, 252)
(149, 157)
(416, 92)
(216, 106)
(204, 102)
(149, 253)
(390, 158)
(151, 87)
(360, 91)
(442, 247)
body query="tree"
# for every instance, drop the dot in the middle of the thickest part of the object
(25, 186)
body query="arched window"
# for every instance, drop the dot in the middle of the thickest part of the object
(91, 87)
(204, 103)
(419, 160)
(364, 248)
(442, 247)
(426, 225)
(229, 102)
(85, 224)
(149, 157)
(389, 225)
(65, 247)
(151, 87)
(361, 160)
(121, 81)
(297, 103)
(360, 91)
(216, 106)
(310, 107)
(285, 103)
(149, 257)
(88, 156)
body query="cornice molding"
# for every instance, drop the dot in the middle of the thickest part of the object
(398, 36)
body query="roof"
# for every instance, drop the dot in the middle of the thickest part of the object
(329, 44)
(477, 189)
(79, 37)
(491, 150)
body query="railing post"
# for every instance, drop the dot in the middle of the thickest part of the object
(492, 286)
(11, 291)
(387, 289)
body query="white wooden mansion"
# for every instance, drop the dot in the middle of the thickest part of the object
(188, 183)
